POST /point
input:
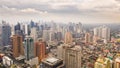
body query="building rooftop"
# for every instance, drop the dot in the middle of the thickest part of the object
(51, 61)
(117, 59)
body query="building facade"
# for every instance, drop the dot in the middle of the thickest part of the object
(29, 48)
(17, 45)
(73, 57)
(40, 50)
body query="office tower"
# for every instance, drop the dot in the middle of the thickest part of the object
(32, 24)
(5, 33)
(51, 62)
(40, 50)
(96, 31)
(26, 29)
(17, 45)
(0, 34)
(34, 33)
(103, 32)
(103, 62)
(79, 28)
(29, 48)
(61, 51)
(88, 38)
(59, 36)
(106, 33)
(46, 35)
(17, 27)
(71, 27)
(18, 30)
(68, 38)
(52, 35)
(73, 57)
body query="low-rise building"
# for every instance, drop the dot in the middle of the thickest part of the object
(52, 62)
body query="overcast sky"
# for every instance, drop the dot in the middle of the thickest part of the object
(85, 11)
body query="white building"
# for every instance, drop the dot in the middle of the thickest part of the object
(7, 61)
(34, 33)
(102, 32)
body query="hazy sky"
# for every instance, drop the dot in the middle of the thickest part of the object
(85, 11)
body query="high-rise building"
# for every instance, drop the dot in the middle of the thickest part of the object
(17, 27)
(32, 24)
(88, 38)
(73, 57)
(79, 28)
(5, 33)
(34, 33)
(106, 33)
(18, 30)
(26, 29)
(17, 45)
(29, 48)
(103, 32)
(59, 36)
(61, 51)
(68, 38)
(46, 35)
(0, 34)
(40, 50)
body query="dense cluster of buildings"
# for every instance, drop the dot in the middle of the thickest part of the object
(57, 45)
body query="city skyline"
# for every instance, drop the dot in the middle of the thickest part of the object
(85, 11)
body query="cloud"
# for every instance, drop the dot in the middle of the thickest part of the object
(60, 8)
(5, 10)
(31, 10)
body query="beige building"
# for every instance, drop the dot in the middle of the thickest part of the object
(73, 57)
(68, 38)
(103, 62)
(117, 61)
(61, 51)
(34, 33)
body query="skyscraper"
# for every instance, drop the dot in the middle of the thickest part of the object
(106, 33)
(61, 51)
(5, 33)
(88, 38)
(46, 35)
(29, 48)
(34, 33)
(40, 49)
(26, 29)
(79, 28)
(0, 34)
(17, 45)
(73, 57)
(68, 38)
(103, 32)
